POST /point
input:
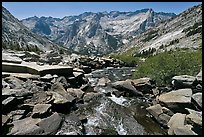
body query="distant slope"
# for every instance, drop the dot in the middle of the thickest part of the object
(183, 31)
(96, 33)
(17, 36)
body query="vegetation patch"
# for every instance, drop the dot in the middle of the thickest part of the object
(164, 66)
(128, 57)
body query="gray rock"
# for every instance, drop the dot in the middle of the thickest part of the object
(58, 88)
(197, 98)
(17, 114)
(160, 113)
(63, 81)
(4, 119)
(71, 125)
(127, 86)
(194, 117)
(51, 124)
(185, 130)
(144, 85)
(91, 96)
(103, 82)
(16, 92)
(14, 82)
(176, 96)
(26, 126)
(177, 120)
(33, 68)
(77, 93)
(5, 84)
(183, 81)
(78, 74)
(40, 110)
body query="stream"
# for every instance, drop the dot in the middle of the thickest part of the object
(111, 115)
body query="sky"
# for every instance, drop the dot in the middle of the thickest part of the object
(22, 10)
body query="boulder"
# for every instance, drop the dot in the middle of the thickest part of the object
(176, 97)
(91, 96)
(197, 100)
(185, 130)
(126, 86)
(77, 93)
(194, 117)
(71, 125)
(183, 81)
(103, 82)
(33, 68)
(63, 81)
(161, 114)
(51, 124)
(177, 120)
(58, 88)
(26, 126)
(144, 85)
(41, 110)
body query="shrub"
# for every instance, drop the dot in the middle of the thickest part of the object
(164, 66)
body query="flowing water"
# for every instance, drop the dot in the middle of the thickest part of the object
(117, 115)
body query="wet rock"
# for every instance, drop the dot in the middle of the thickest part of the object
(161, 114)
(51, 124)
(197, 100)
(194, 117)
(176, 98)
(86, 69)
(177, 120)
(26, 126)
(126, 86)
(71, 125)
(183, 81)
(103, 82)
(91, 96)
(144, 85)
(41, 110)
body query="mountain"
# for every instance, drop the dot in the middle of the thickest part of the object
(17, 36)
(182, 31)
(96, 33)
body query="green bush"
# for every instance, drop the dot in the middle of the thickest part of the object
(127, 57)
(164, 66)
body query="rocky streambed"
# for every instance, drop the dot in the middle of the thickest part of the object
(79, 95)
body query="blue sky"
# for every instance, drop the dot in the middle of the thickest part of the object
(23, 10)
